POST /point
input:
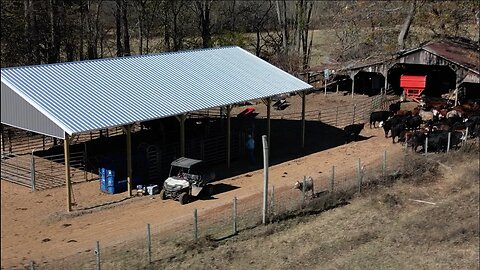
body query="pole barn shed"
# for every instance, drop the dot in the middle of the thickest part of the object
(449, 64)
(60, 100)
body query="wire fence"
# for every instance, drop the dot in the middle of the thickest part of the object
(340, 116)
(161, 244)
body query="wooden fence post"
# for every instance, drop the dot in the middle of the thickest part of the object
(195, 224)
(235, 215)
(332, 180)
(149, 245)
(303, 190)
(448, 141)
(354, 109)
(359, 176)
(97, 255)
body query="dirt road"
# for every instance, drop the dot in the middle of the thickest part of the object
(35, 227)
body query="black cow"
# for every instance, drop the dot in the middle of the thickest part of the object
(378, 117)
(394, 107)
(438, 140)
(391, 122)
(352, 132)
(418, 139)
(397, 130)
(413, 122)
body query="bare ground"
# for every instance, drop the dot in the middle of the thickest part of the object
(35, 227)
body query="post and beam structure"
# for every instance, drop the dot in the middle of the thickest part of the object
(68, 183)
(128, 131)
(267, 102)
(303, 95)
(181, 118)
(229, 142)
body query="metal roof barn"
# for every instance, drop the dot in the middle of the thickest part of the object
(75, 97)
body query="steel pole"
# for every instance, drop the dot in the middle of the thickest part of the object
(265, 178)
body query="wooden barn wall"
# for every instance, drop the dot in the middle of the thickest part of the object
(423, 57)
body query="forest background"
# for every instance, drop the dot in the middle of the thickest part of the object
(294, 35)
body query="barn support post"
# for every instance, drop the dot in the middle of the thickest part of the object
(267, 103)
(303, 95)
(68, 184)
(128, 130)
(352, 76)
(33, 171)
(229, 139)
(181, 118)
(385, 75)
(3, 138)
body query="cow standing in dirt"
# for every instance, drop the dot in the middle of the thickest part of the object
(352, 132)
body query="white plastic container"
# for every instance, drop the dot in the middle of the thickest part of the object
(153, 189)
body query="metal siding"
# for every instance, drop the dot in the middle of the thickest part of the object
(19, 113)
(102, 93)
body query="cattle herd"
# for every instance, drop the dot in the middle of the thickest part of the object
(434, 125)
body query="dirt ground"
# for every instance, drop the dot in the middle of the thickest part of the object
(34, 225)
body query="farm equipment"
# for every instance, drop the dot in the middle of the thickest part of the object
(413, 86)
(182, 185)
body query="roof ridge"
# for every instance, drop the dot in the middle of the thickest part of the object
(119, 58)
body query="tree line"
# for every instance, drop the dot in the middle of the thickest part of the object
(282, 32)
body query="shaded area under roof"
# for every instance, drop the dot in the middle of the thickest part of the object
(89, 95)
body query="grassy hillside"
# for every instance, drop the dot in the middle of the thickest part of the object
(382, 229)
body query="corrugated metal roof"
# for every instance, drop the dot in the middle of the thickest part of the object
(462, 53)
(95, 94)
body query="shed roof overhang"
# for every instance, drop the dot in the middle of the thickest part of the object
(77, 97)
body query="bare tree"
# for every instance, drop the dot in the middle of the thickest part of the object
(118, 24)
(126, 34)
(282, 22)
(406, 25)
(203, 12)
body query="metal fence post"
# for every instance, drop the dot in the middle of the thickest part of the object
(32, 265)
(303, 189)
(448, 142)
(149, 244)
(384, 166)
(97, 255)
(272, 202)
(332, 180)
(235, 215)
(33, 172)
(195, 224)
(426, 145)
(359, 177)
(354, 109)
(336, 117)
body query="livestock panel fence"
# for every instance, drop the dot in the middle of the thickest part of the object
(340, 116)
(158, 244)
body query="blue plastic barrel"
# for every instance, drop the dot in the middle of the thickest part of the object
(103, 179)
